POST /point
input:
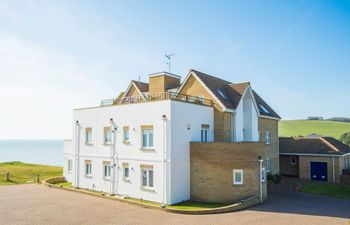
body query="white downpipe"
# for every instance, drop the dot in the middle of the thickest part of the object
(165, 158)
(260, 180)
(333, 169)
(77, 152)
(114, 161)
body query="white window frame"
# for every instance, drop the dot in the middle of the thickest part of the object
(234, 177)
(268, 165)
(88, 135)
(107, 170)
(149, 184)
(88, 168)
(204, 133)
(268, 138)
(69, 165)
(149, 132)
(126, 138)
(291, 160)
(107, 135)
(263, 174)
(126, 166)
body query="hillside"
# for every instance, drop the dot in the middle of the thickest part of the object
(304, 127)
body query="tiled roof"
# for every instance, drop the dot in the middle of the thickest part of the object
(262, 104)
(143, 87)
(232, 93)
(306, 145)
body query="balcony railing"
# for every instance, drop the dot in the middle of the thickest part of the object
(157, 97)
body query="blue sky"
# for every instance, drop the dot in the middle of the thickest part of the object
(60, 55)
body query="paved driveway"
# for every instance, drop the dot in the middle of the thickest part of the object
(37, 204)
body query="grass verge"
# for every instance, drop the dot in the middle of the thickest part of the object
(190, 205)
(334, 190)
(21, 173)
(64, 184)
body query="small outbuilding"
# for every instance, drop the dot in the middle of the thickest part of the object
(314, 158)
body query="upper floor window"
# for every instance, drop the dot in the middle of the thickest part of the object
(106, 169)
(264, 109)
(126, 134)
(147, 137)
(237, 177)
(147, 176)
(204, 133)
(220, 91)
(88, 168)
(125, 171)
(268, 138)
(107, 135)
(88, 135)
(69, 165)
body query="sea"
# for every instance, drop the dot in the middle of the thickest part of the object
(47, 152)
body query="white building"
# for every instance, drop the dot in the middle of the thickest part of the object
(139, 144)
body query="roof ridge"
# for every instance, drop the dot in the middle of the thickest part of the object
(196, 71)
(329, 144)
(136, 81)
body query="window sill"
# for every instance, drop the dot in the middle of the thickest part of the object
(238, 184)
(107, 143)
(148, 149)
(69, 172)
(126, 142)
(107, 178)
(126, 179)
(86, 143)
(150, 189)
(88, 176)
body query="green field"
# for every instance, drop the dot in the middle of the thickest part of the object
(288, 128)
(21, 173)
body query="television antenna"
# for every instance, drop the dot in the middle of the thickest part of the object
(168, 58)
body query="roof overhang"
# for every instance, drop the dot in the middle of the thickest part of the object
(132, 84)
(225, 109)
(314, 154)
(164, 74)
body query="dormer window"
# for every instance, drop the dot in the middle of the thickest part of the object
(222, 94)
(264, 109)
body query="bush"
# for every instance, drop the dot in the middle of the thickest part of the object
(275, 178)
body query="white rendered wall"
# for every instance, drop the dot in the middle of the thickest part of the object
(135, 115)
(186, 123)
(246, 117)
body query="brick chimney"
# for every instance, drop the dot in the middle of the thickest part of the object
(163, 81)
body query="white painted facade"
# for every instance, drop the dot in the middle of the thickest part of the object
(246, 119)
(169, 156)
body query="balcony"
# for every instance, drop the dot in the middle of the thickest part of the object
(158, 97)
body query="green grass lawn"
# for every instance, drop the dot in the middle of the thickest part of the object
(335, 190)
(189, 205)
(334, 129)
(64, 184)
(21, 173)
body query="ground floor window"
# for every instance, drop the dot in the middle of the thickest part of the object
(147, 176)
(238, 177)
(125, 171)
(293, 160)
(88, 168)
(268, 166)
(106, 169)
(69, 165)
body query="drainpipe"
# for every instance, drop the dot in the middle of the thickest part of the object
(114, 177)
(77, 151)
(260, 180)
(333, 169)
(164, 159)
